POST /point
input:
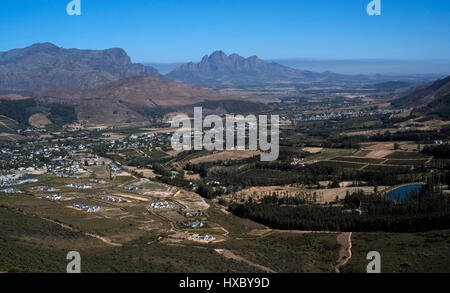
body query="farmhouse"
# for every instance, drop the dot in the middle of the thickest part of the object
(196, 224)
(203, 238)
(53, 197)
(160, 205)
(112, 199)
(131, 187)
(89, 209)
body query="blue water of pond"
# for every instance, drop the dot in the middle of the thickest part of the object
(403, 193)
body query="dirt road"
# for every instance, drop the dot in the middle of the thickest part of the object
(231, 255)
(345, 253)
(102, 239)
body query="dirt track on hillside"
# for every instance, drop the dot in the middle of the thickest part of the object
(345, 253)
(231, 255)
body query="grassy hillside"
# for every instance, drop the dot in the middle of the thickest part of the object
(427, 252)
(22, 110)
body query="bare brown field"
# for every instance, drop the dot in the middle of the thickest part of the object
(112, 135)
(191, 200)
(39, 120)
(378, 150)
(312, 150)
(225, 156)
(149, 173)
(13, 97)
(134, 197)
(373, 132)
(430, 125)
(9, 136)
(231, 255)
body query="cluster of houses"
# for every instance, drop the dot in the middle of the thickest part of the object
(114, 168)
(53, 197)
(69, 171)
(345, 114)
(50, 159)
(160, 205)
(130, 187)
(16, 179)
(10, 177)
(78, 185)
(10, 190)
(143, 140)
(48, 189)
(28, 155)
(86, 208)
(112, 199)
(203, 238)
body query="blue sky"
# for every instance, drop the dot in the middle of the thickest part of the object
(184, 30)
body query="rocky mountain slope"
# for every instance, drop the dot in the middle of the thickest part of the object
(218, 69)
(140, 98)
(45, 66)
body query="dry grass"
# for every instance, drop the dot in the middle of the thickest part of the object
(312, 150)
(39, 120)
(378, 150)
(191, 200)
(225, 156)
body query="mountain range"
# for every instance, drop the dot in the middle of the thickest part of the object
(45, 66)
(219, 69)
(104, 86)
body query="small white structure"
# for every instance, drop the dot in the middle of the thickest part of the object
(78, 185)
(196, 224)
(53, 197)
(86, 208)
(10, 190)
(203, 238)
(131, 187)
(112, 199)
(160, 205)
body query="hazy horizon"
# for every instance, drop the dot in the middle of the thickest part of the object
(177, 30)
(344, 66)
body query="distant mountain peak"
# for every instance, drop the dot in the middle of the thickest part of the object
(218, 53)
(46, 45)
(44, 66)
(219, 69)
